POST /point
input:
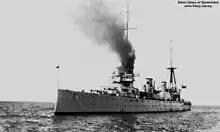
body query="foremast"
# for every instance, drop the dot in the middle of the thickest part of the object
(124, 76)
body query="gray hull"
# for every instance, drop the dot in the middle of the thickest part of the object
(72, 102)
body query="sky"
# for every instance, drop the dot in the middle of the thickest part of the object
(38, 35)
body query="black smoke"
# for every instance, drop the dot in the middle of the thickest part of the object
(104, 27)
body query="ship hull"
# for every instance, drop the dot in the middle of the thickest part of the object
(73, 102)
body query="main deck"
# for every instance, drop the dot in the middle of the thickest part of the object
(82, 102)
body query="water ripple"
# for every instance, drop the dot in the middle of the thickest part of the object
(38, 117)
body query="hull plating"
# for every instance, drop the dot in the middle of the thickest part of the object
(78, 102)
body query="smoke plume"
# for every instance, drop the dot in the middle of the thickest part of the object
(104, 27)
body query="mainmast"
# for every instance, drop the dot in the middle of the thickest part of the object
(172, 73)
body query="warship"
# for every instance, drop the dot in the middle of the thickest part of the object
(122, 96)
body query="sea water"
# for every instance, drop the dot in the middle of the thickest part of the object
(38, 117)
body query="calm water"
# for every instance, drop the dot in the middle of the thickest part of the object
(38, 117)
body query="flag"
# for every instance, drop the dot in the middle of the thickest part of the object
(184, 86)
(57, 67)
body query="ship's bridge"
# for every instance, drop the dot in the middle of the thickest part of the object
(127, 77)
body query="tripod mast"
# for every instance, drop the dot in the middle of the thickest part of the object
(172, 72)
